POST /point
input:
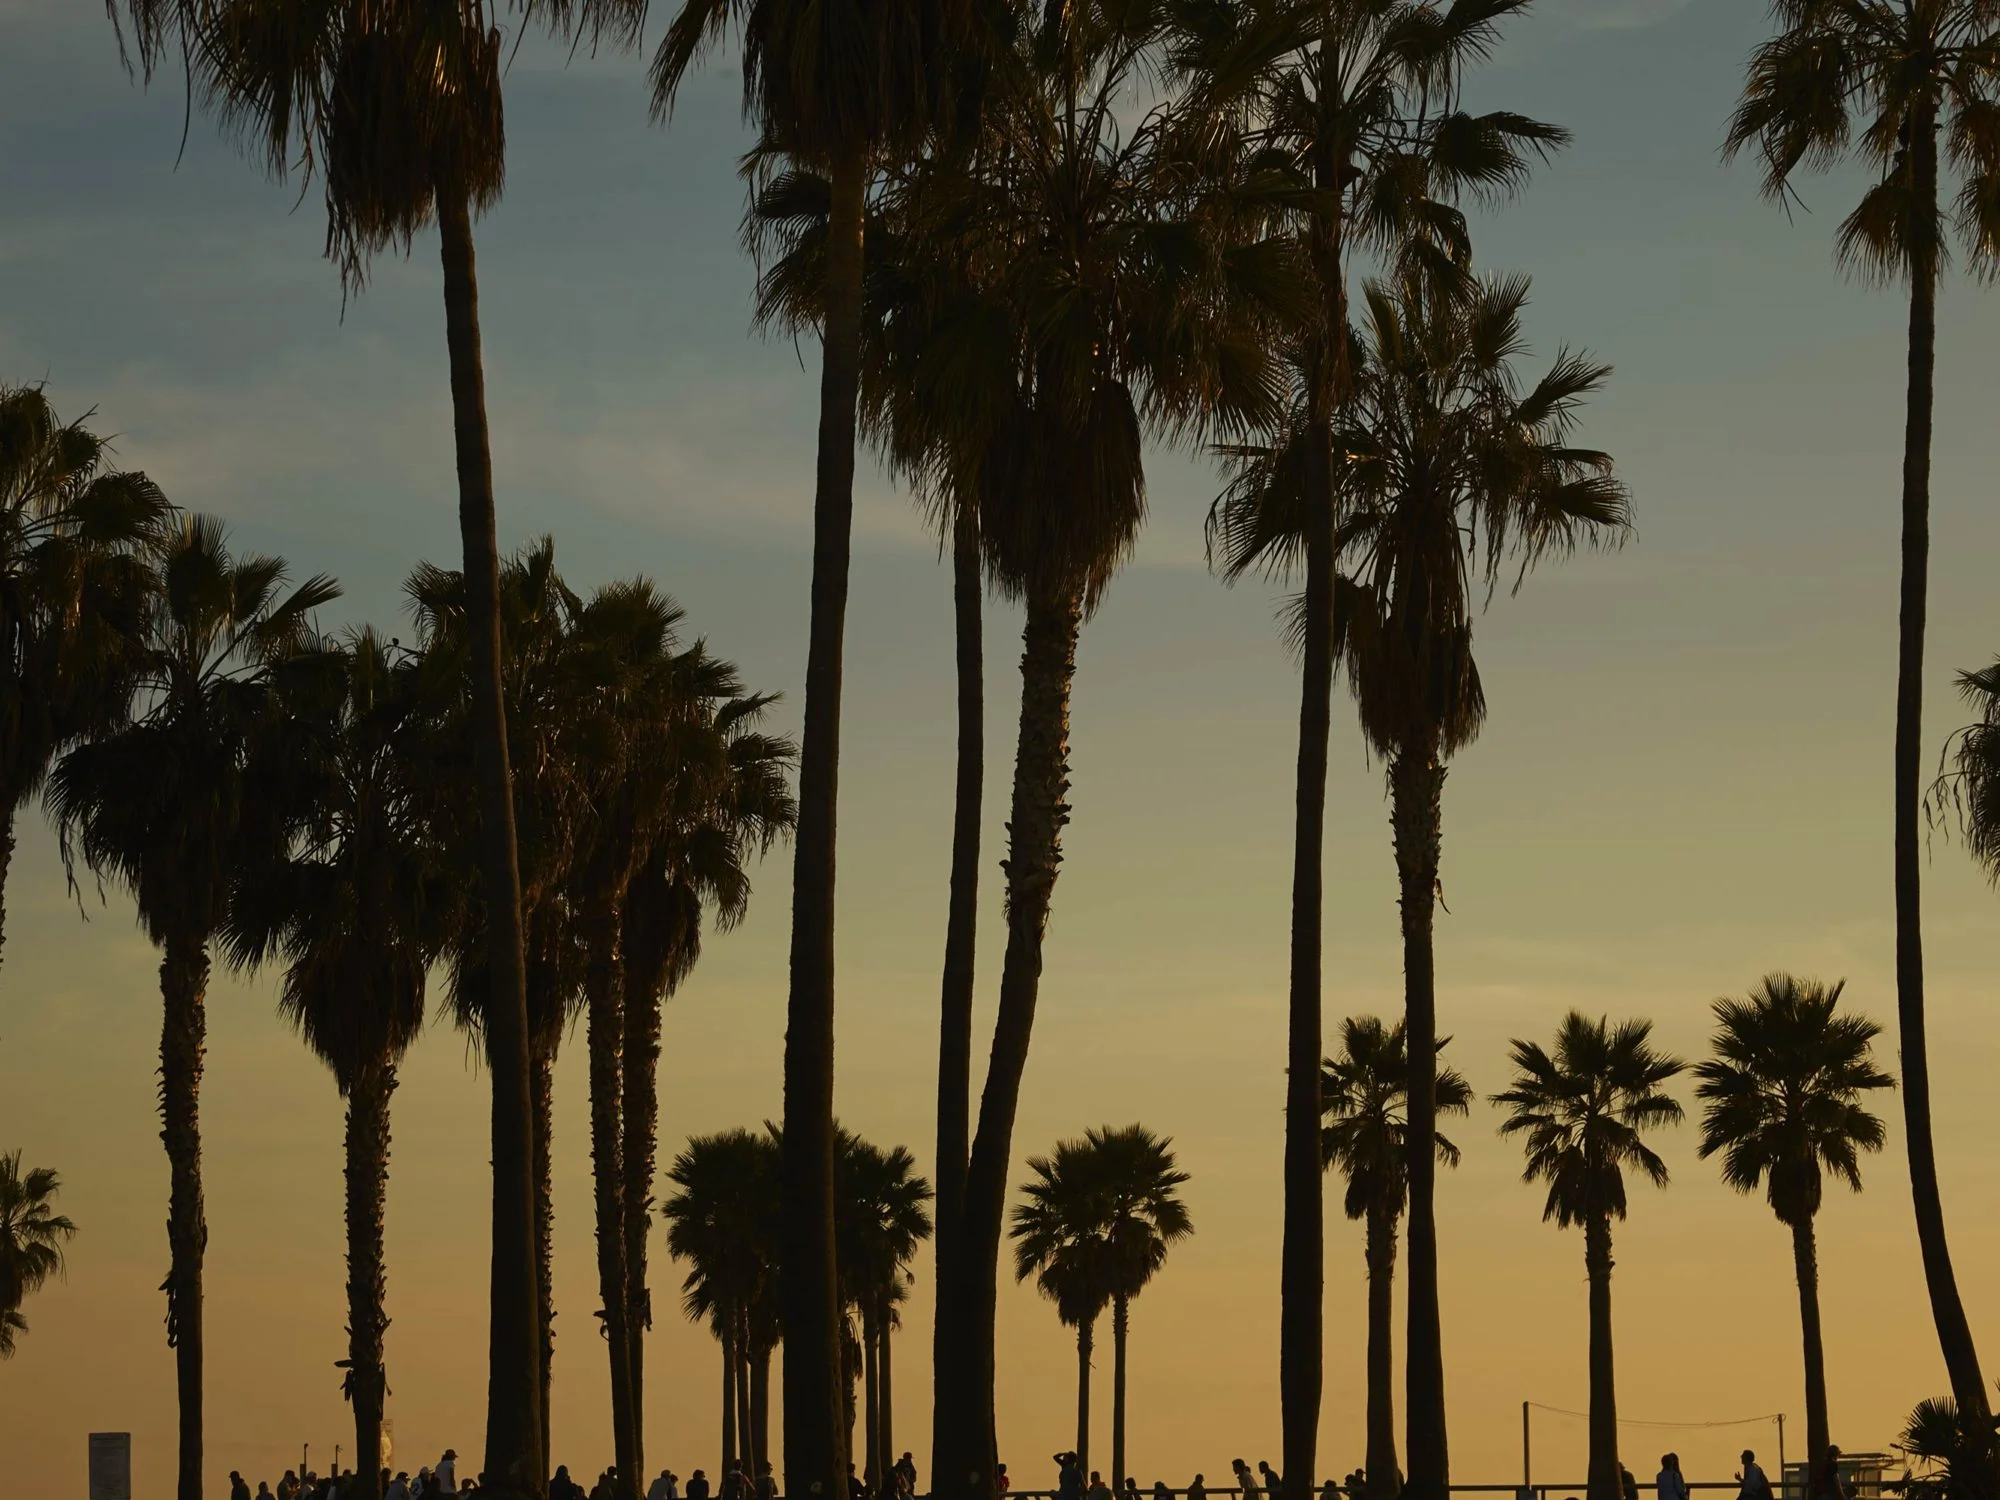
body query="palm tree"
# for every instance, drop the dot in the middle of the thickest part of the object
(1943, 1454)
(1058, 1234)
(354, 905)
(840, 88)
(723, 1220)
(73, 585)
(1584, 1111)
(881, 1220)
(397, 107)
(1450, 474)
(161, 805)
(1366, 1091)
(1882, 81)
(1784, 1107)
(1350, 107)
(32, 1235)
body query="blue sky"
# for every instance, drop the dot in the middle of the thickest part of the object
(1682, 784)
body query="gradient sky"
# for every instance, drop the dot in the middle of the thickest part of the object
(1683, 782)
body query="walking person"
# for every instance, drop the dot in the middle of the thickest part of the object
(1197, 1488)
(1627, 1485)
(1670, 1482)
(1069, 1477)
(1246, 1482)
(1273, 1485)
(906, 1467)
(1098, 1490)
(1755, 1484)
(444, 1478)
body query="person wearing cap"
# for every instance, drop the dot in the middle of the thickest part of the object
(444, 1478)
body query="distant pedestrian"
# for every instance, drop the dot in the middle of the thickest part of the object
(1670, 1482)
(1837, 1488)
(602, 1490)
(397, 1488)
(856, 1490)
(238, 1490)
(1131, 1488)
(1273, 1485)
(906, 1469)
(1331, 1490)
(1246, 1482)
(1197, 1488)
(1001, 1484)
(1627, 1485)
(1755, 1484)
(444, 1478)
(698, 1486)
(1160, 1490)
(767, 1482)
(264, 1489)
(1098, 1490)
(1069, 1477)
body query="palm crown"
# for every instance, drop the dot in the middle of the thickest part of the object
(1783, 1093)
(1364, 1092)
(1584, 1110)
(32, 1235)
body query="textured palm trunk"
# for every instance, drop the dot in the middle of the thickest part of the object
(885, 1336)
(1805, 1262)
(1602, 1473)
(637, 1153)
(850, 1376)
(729, 1449)
(760, 1402)
(1037, 814)
(605, 1004)
(815, 1450)
(514, 1427)
(367, 1279)
(1961, 1356)
(541, 1104)
(1416, 784)
(954, 1100)
(749, 1452)
(7, 861)
(183, 1036)
(871, 1396)
(1121, 1324)
(1383, 1479)
(1086, 1340)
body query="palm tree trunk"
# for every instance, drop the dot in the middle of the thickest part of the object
(513, 1460)
(728, 1332)
(1416, 783)
(760, 1402)
(7, 861)
(1086, 1338)
(1602, 1474)
(871, 1391)
(748, 1452)
(605, 1001)
(1805, 1261)
(367, 1195)
(1121, 1323)
(1961, 1357)
(954, 1101)
(541, 1096)
(850, 1374)
(637, 1152)
(183, 1032)
(1381, 1470)
(815, 1453)
(1037, 815)
(885, 1334)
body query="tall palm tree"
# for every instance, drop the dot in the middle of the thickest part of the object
(1058, 1234)
(1451, 472)
(161, 805)
(840, 88)
(1351, 108)
(1583, 1111)
(353, 903)
(398, 108)
(32, 1235)
(1783, 1097)
(881, 1220)
(723, 1219)
(1889, 82)
(73, 585)
(1365, 1090)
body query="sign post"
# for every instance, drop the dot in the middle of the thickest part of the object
(111, 1466)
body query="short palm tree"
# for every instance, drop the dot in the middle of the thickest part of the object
(73, 586)
(353, 904)
(1783, 1097)
(32, 1235)
(1058, 1234)
(1943, 1454)
(1365, 1091)
(1350, 108)
(722, 1219)
(1583, 1111)
(162, 805)
(1910, 88)
(883, 1217)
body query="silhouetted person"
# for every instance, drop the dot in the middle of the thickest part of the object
(1246, 1482)
(1197, 1488)
(1131, 1488)
(1273, 1485)
(397, 1488)
(1001, 1484)
(906, 1468)
(1069, 1477)
(264, 1490)
(1098, 1490)
(856, 1490)
(1627, 1485)
(1755, 1484)
(1837, 1488)
(1670, 1482)
(444, 1478)
(698, 1486)
(238, 1490)
(602, 1490)
(1160, 1490)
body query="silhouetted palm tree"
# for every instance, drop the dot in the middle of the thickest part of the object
(840, 88)
(1365, 1091)
(32, 1235)
(723, 1219)
(73, 585)
(1058, 1234)
(161, 806)
(880, 1220)
(1584, 1110)
(1351, 109)
(1943, 1455)
(1881, 81)
(354, 905)
(1783, 1097)
(398, 108)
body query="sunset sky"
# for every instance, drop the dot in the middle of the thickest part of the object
(1683, 783)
